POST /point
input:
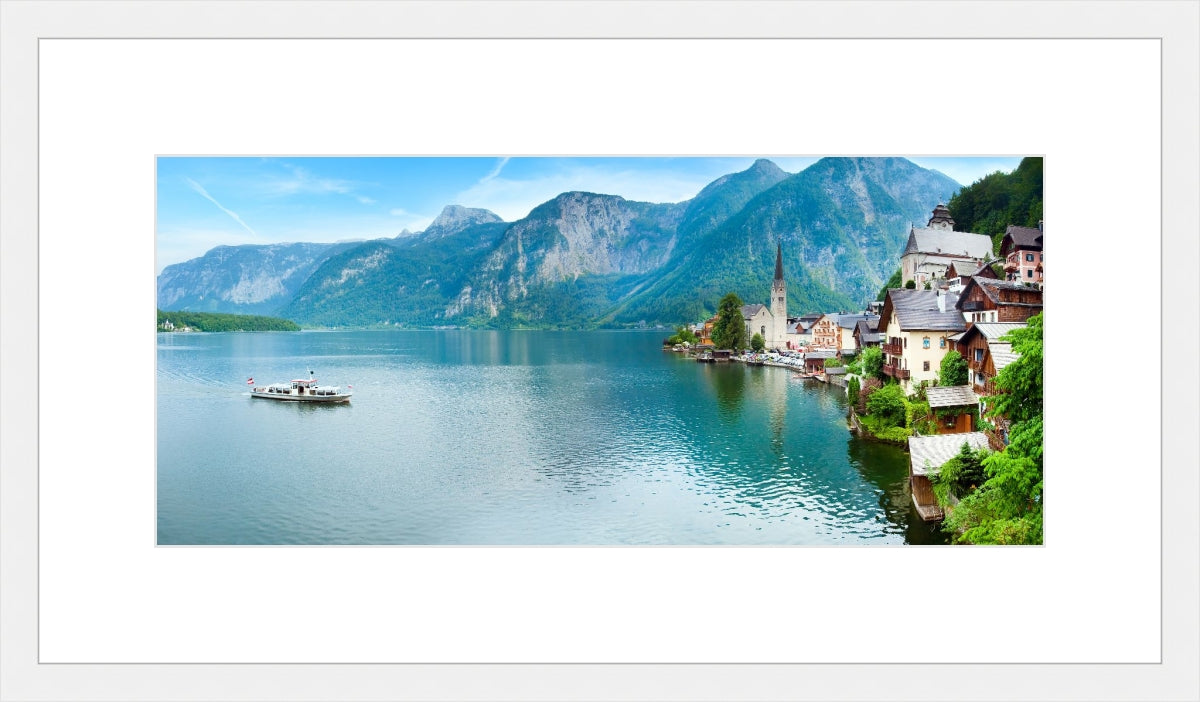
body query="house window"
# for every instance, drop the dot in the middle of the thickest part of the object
(1029, 257)
(942, 343)
(979, 355)
(926, 365)
(1028, 272)
(925, 344)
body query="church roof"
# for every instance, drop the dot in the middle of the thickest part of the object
(948, 243)
(749, 311)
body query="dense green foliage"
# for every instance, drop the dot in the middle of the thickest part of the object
(852, 390)
(834, 362)
(405, 282)
(872, 363)
(893, 282)
(960, 475)
(888, 404)
(953, 370)
(911, 285)
(995, 201)
(729, 331)
(221, 322)
(1007, 507)
(682, 335)
(757, 342)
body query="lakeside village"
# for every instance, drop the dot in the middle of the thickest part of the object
(925, 368)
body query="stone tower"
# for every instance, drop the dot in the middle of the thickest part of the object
(778, 337)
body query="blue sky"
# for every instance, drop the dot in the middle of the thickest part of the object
(205, 202)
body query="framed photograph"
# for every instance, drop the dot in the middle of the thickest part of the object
(481, 468)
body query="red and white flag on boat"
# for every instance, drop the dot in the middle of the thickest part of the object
(250, 381)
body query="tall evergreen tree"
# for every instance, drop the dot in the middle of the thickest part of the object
(729, 331)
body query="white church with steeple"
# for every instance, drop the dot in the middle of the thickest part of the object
(770, 321)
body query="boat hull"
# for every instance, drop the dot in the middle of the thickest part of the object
(288, 397)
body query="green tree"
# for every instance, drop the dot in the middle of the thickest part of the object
(911, 285)
(872, 362)
(757, 342)
(729, 331)
(852, 388)
(888, 405)
(953, 370)
(1007, 508)
(893, 282)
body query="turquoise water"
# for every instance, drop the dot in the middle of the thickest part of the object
(508, 437)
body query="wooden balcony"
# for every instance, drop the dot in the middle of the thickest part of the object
(897, 373)
(893, 349)
(972, 306)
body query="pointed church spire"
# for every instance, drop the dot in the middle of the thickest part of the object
(779, 262)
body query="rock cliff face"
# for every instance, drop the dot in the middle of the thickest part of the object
(586, 259)
(574, 235)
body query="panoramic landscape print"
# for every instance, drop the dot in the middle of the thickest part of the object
(599, 351)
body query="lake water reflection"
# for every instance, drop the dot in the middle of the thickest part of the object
(508, 437)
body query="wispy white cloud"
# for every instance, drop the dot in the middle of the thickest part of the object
(495, 171)
(363, 199)
(204, 193)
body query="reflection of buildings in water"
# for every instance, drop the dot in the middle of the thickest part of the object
(729, 381)
(775, 394)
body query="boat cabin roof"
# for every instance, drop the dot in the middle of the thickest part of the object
(305, 383)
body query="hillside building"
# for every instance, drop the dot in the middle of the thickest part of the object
(931, 250)
(1022, 252)
(917, 326)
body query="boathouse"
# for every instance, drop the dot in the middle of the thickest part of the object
(954, 408)
(927, 455)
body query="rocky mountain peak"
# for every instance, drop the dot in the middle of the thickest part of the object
(455, 218)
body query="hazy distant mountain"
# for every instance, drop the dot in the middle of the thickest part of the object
(248, 279)
(586, 259)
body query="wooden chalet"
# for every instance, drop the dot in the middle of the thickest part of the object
(866, 333)
(1022, 252)
(989, 300)
(986, 354)
(814, 361)
(953, 405)
(927, 455)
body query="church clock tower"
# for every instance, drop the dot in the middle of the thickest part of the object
(778, 304)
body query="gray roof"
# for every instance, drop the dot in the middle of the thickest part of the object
(838, 370)
(1023, 237)
(918, 310)
(994, 330)
(991, 285)
(951, 396)
(749, 311)
(948, 243)
(819, 354)
(849, 321)
(1002, 355)
(928, 454)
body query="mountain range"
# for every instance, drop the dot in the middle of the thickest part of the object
(584, 260)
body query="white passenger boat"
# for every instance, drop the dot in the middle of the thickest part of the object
(301, 391)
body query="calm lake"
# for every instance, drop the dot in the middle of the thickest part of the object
(510, 437)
